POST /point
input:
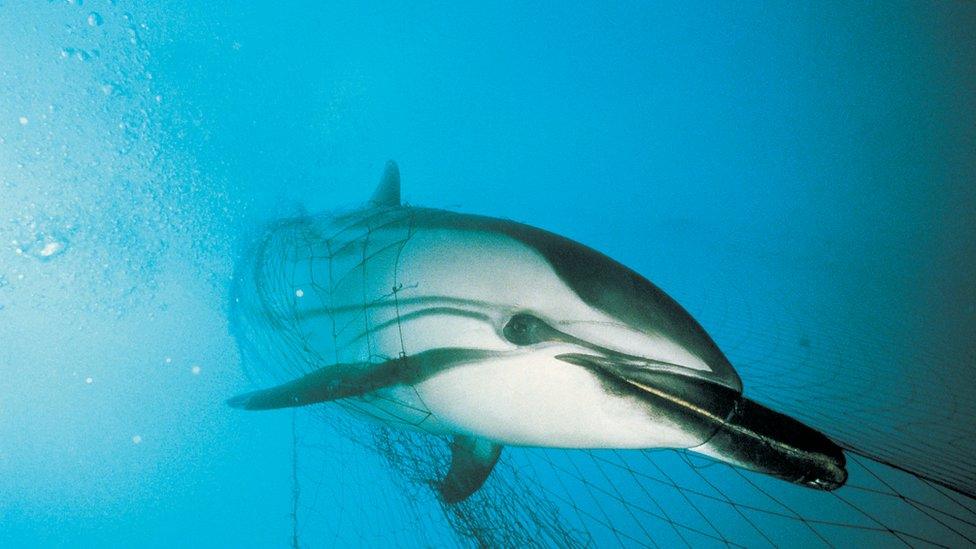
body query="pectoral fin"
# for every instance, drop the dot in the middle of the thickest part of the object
(338, 381)
(325, 384)
(472, 460)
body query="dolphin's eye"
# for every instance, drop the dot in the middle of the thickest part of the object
(525, 329)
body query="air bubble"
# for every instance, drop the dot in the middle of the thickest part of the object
(94, 19)
(23, 120)
(299, 293)
(51, 249)
(195, 370)
(44, 247)
(136, 439)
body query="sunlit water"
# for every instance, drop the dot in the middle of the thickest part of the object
(800, 178)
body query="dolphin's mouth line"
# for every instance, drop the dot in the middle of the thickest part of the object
(724, 422)
(683, 403)
(716, 410)
(612, 361)
(736, 429)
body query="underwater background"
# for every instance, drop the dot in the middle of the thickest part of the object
(802, 177)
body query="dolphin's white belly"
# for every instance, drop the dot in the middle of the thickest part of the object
(536, 400)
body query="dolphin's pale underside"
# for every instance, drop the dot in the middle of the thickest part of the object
(496, 333)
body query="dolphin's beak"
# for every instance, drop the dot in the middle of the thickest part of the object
(733, 429)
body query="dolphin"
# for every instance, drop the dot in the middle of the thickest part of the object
(495, 333)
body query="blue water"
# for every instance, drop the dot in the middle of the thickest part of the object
(801, 177)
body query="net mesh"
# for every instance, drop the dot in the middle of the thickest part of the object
(909, 436)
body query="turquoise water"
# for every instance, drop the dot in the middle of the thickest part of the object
(801, 178)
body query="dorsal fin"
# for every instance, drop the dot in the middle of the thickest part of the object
(388, 191)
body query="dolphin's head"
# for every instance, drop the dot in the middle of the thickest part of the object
(647, 329)
(583, 352)
(577, 336)
(558, 290)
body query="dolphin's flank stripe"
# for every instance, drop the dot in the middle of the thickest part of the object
(387, 302)
(448, 311)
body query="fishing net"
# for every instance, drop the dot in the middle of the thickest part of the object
(909, 435)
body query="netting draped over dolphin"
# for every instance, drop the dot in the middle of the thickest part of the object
(339, 295)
